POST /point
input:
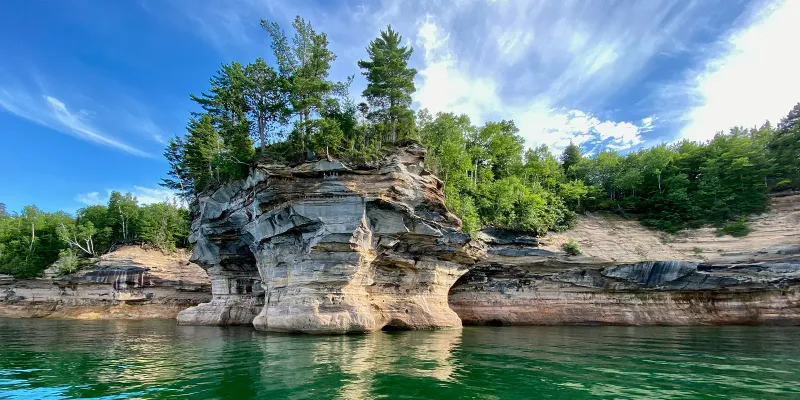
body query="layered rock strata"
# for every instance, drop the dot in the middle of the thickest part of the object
(127, 284)
(324, 247)
(518, 283)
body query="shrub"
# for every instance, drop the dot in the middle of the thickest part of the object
(736, 228)
(698, 250)
(67, 262)
(572, 247)
(782, 185)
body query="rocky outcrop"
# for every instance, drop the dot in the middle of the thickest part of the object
(129, 283)
(522, 284)
(326, 247)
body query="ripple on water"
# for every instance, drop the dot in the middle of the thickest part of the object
(157, 359)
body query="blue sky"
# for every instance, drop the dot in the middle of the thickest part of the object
(90, 90)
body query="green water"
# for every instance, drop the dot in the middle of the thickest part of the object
(157, 359)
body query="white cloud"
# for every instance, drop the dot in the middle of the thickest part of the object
(554, 67)
(53, 113)
(445, 87)
(144, 195)
(756, 78)
(91, 198)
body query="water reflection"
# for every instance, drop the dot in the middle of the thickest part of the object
(157, 359)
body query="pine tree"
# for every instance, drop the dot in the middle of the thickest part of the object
(180, 180)
(304, 64)
(266, 96)
(390, 82)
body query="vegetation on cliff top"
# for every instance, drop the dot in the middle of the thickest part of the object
(32, 240)
(292, 110)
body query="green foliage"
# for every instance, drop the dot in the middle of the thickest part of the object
(572, 247)
(783, 184)
(67, 262)
(295, 112)
(33, 240)
(697, 250)
(737, 228)
(29, 241)
(390, 83)
(163, 225)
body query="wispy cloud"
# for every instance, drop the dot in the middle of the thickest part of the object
(144, 195)
(51, 112)
(579, 71)
(444, 86)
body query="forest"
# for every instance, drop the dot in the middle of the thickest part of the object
(290, 111)
(32, 240)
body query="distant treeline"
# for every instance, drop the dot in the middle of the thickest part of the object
(32, 240)
(491, 180)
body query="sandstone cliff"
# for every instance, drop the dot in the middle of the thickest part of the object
(128, 283)
(630, 275)
(324, 247)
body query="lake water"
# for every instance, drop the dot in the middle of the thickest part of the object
(41, 359)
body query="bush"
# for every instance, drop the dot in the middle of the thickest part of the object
(67, 262)
(572, 247)
(784, 184)
(736, 228)
(698, 250)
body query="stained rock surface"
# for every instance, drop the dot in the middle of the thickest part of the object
(523, 284)
(325, 247)
(128, 283)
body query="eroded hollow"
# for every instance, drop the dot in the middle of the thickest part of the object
(396, 325)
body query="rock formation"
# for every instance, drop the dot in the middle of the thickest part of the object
(325, 247)
(520, 283)
(128, 283)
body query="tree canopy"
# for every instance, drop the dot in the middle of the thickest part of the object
(295, 112)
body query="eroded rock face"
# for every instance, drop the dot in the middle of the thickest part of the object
(520, 284)
(128, 283)
(328, 248)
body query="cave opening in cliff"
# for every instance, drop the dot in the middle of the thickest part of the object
(396, 325)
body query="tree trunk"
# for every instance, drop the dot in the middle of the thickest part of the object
(659, 182)
(261, 136)
(33, 237)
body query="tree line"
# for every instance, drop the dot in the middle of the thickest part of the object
(492, 180)
(32, 240)
(290, 112)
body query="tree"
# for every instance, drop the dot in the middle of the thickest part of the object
(390, 82)
(181, 179)
(266, 96)
(164, 225)
(305, 64)
(504, 147)
(570, 156)
(80, 236)
(123, 210)
(655, 160)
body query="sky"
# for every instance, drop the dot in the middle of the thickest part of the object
(90, 91)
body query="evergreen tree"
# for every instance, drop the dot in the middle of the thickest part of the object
(180, 179)
(305, 64)
(266, 96)
(390, 82)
